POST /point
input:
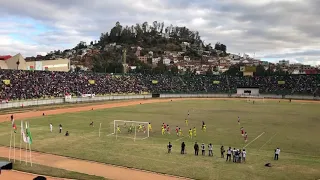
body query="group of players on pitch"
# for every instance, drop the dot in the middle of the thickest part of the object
(141, 128)
(243, 133)
(192, 132)
(165, 129)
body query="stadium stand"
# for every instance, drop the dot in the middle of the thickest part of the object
(19, 84)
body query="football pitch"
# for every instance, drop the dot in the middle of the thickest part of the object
(293, 127)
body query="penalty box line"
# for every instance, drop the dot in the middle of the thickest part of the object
(110, 134)
(253, 140)
(179, 139)
(268, 141)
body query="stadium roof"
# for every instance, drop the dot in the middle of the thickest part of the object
(5, 57)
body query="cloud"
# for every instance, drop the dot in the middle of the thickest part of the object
(267, 28)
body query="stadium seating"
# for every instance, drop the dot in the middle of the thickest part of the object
(16, 84)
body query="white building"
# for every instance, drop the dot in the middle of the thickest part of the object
(186, 58)
(156, 60)
(166, 61)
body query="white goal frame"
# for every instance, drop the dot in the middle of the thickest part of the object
(135, 128)
(250, 98)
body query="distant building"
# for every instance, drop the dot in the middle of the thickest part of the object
(3, 65)
(284, 63)
(143, 58)
(49, 65)
(156, 60)
(166, 61)
(19, 63)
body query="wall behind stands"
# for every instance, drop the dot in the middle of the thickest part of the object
(19, 104)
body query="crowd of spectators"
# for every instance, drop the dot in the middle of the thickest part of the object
(42, 84)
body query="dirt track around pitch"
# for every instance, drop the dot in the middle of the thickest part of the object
(17, 175)
(93, 168)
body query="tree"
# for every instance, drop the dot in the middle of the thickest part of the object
(145, 27)
(209, 71)
(260, 71)
(161, 27)
(233, 70)
(174, 70)
(155, 26)
(217, 46)
(223, 48)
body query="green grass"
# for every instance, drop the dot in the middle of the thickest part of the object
(293, 127)
(49, 171)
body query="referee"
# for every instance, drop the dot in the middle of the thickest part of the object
(169, 147)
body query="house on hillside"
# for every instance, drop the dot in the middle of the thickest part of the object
(143, 59)
(155, 61)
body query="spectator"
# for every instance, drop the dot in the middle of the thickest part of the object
(244, 154)
(222, 151)
(240, 156)
(276, 153)
(196, 149)
(203, 149)
(210, 149)
(183, 146)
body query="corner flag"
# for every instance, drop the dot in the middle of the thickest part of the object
(29, 137)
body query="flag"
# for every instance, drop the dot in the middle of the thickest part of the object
(14, 127)
(91, 81)
(23, 134)
(6, 81)
(29, 137)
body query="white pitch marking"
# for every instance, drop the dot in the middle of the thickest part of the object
(110, 134)
(179, 139)
(254, 140)
(268, 141)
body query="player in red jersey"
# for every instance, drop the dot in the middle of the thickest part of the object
(177, 130)
(164, 126)
(168, 129)
(242, 131)
(144, 128)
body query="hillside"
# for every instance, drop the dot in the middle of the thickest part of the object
(146, 46)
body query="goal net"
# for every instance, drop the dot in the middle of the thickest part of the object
(255, 98)
(130, 129)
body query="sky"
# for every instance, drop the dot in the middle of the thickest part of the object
(270, 30)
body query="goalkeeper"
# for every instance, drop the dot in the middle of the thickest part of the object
(118, 129)
(130, 129)
(139, 128)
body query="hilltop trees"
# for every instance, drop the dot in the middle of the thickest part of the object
(155, 37)
(149, 35)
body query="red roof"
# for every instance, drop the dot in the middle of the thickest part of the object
(6, 57)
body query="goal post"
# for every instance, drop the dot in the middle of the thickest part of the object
(255, 98)
(130, 129)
